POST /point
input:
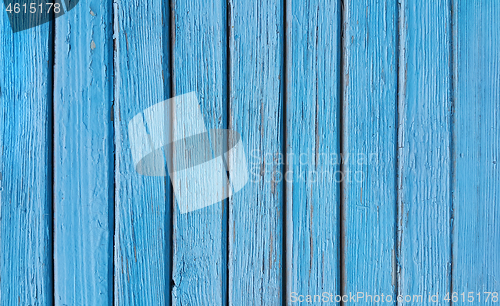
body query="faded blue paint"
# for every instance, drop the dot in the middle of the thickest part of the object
(476, 137)
(199, 65)
(423, 221)
(26, 173)
(424, 155)
(256, 215)
(313, 112)
(142, 203)
(370, 139)
(83, 156)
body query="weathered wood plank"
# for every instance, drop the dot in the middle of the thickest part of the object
(83, 156)
(369, 146)
(256, 112)
(312, 135)
(26, 169)
(476, 184)
(142, 203)
(424, 156)
(199, 65)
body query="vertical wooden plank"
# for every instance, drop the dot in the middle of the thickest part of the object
(424, 150)
(83, 156)
(312, 130)
(199, 61)
(476, 186)
(256, 112)
(26, 170)
(142, 203)
(369, 146)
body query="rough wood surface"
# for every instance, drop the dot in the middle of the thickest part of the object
(199, 65)
(142, 265)
(369, 146)
(26, 170)
(256, 111)
(83, 156)
(312, 148)
(406, 91)
(476, 130)
(424, 150)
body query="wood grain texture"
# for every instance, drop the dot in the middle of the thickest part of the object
(312, 148)
(83, 156)
(403, 96)
(476, 185)
(369, 146)
(256, 112)
(199, 65)
(142, 203)
(26, 170)
(424, 154)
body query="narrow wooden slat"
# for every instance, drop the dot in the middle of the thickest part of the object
(142, 203)
(199, 61)
(476, 186)
(26, 169)
(83, 156)
(256, 112)
(312, 133)
(424, 150)
(369, 146)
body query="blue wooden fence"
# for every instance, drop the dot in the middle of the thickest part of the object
(371, 130)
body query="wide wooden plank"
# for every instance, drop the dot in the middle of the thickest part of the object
(312, 147)
(369, 137)
(476, 130)
(199, 66)
(142, 203)
(424, 155)
(26, 165)
(83, 156)
(256, 111)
